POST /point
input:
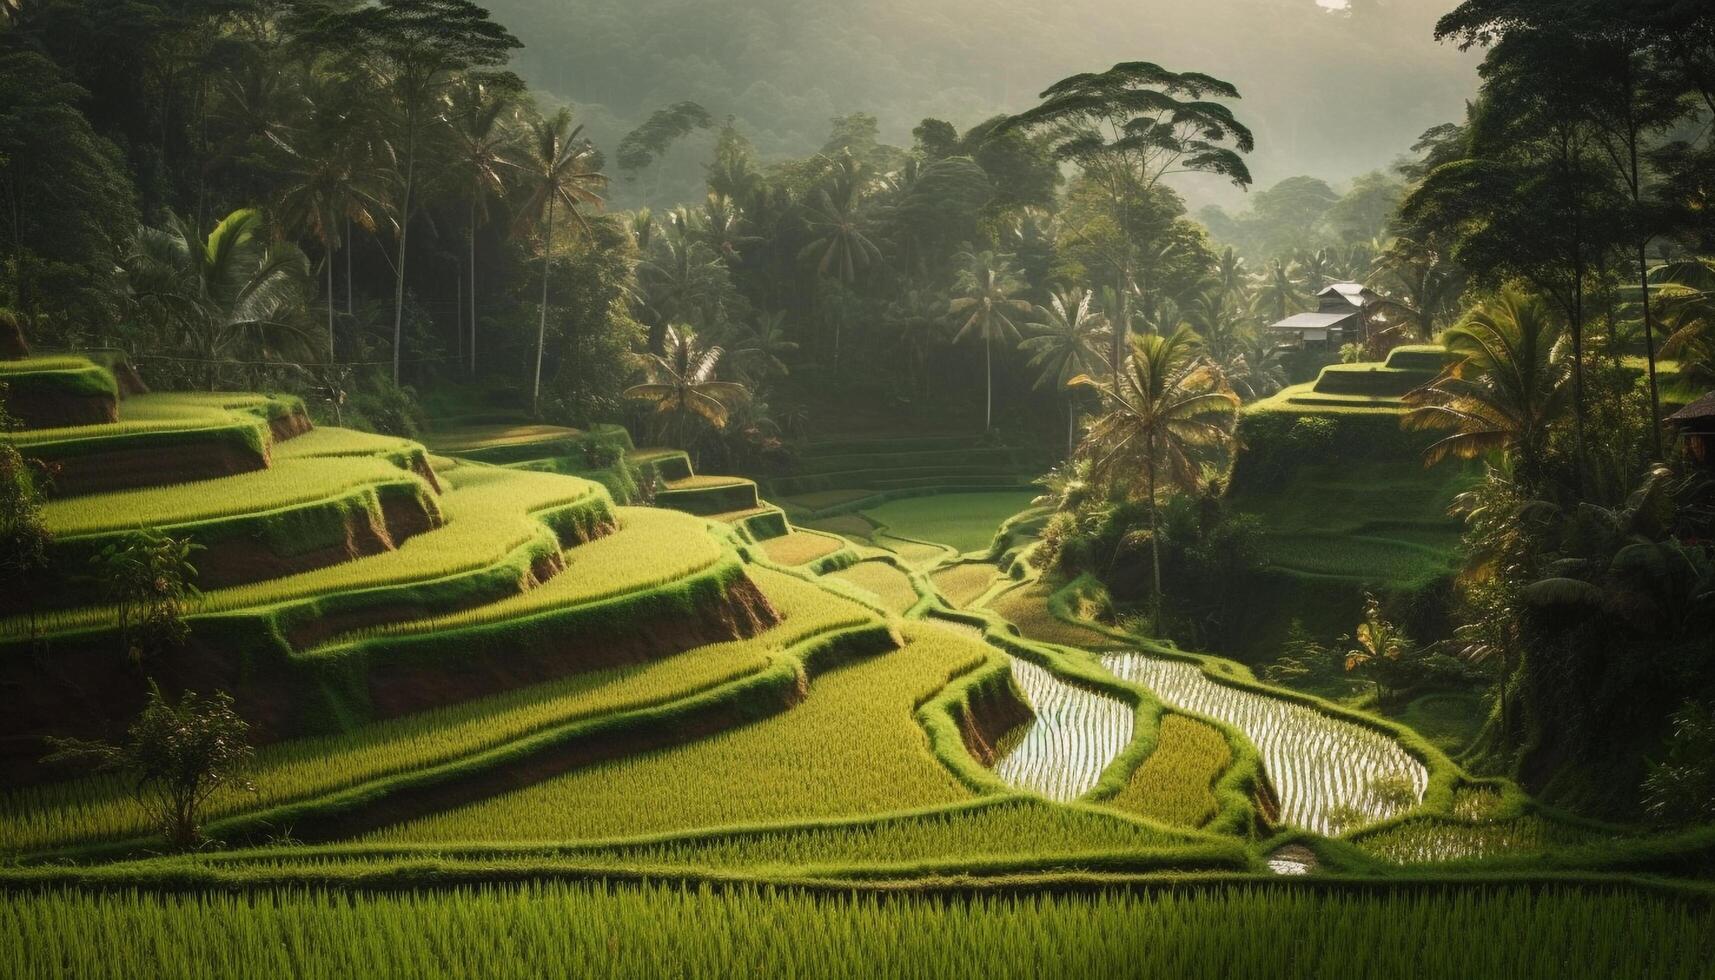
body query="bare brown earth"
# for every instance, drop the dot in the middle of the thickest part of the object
(738, 611)
(127, 469)
(53, 409)
(994, 711)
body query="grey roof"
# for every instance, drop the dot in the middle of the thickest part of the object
(1702, 408)
(1314, 321)
(1355, 293)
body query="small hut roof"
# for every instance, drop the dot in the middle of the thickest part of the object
(1701, 410)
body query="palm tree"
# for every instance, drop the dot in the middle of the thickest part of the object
(758, 348)
(1505, 390)
(1069, 341)
(1171, 408)
(323, 193)
(841, 248)
(1317, 269)
(1257, 370)
(232, 293)
(988, 308)
(682, 384)
(682, 280)
(558, 167)
(1687, 291)
(1230, 275)
(1223, 327)
(920, 322)
(478, 117)
(1279, 293)
(1418, 284)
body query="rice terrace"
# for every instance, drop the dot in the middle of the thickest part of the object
(890, 490)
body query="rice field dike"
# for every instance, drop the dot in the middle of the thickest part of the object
(508, 713)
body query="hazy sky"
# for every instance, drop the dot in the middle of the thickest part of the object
(1333, 88)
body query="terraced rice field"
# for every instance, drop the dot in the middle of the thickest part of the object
(962, 584)
(287, 483)
(1175, 783)
(891, 587)
(490, 515)
(1329, 775)
(800, 547)
(100, 807)
(963, 521)
(853, 747)
(1438, 841)
(1076, 734)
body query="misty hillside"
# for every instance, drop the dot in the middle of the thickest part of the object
(1329, 93)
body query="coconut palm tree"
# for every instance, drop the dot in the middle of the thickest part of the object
(1171, 408)
(681, 384)
(1069, 342)
(481, 120)
(988, 308)
(1257, 370)
(1278, 294)
(1506, 389)
(233, 294)
(1317, 269)
(1419, 285)
(841, 247)
(1687, 291)
(758, 348)
(558, 167)
(323, 192)
(1230, 275)
(1221, 324)
(681, 280)
(920, 322)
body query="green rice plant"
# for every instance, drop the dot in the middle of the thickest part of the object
(1322, 769)
(1175, 784)
(988, 828)
(60, 375)
(852, 747)
(708, 495)
(652, 549)
(964, 583)
(963, 521)
(1434, 841)
(891, 587)
(800, 547)
(1026, 607)
(560, 928)
(99, 808)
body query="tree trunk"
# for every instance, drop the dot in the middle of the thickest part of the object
(542, 321)
(1121, 327)
(404, 234)
(1649, 350)
(1071, 426)
(332, 354)
(472, 245)
(348, 243)
(988, 386)
(1154, 536)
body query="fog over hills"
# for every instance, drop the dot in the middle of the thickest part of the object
(1329, 92)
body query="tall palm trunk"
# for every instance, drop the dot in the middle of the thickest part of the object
(1649, 348)
(542, 321)
(404, 235)
(1071, 426)
(1154, 534)
(471, 242)
(332, 355)
(988, 386)
(348, 245)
